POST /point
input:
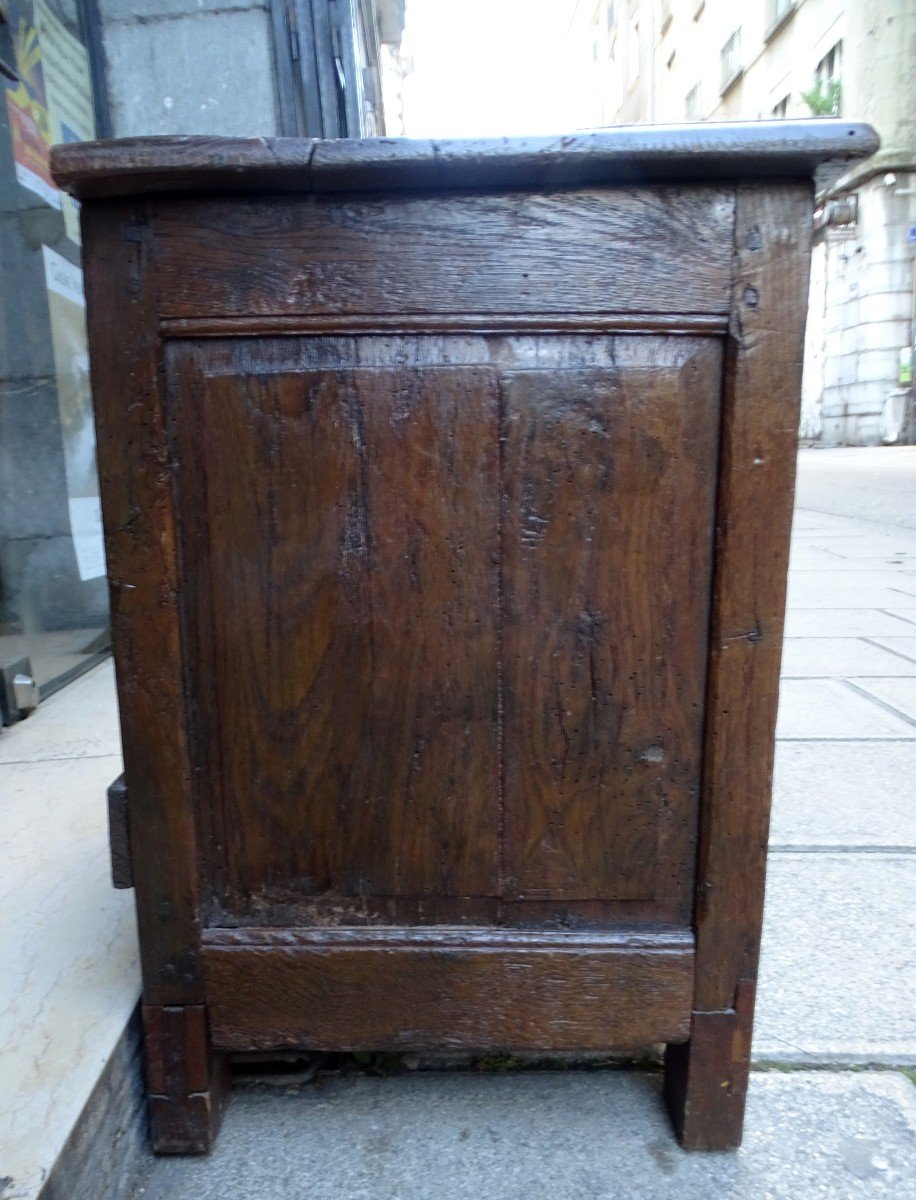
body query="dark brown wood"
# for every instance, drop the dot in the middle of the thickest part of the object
(612, 157)
(688, 324)
(345, 473)
(141, 549)
(605, 573)
(450, 989)
(188, 1081)
(757, 475)
(447, 534)
(122, 875)
(353, 688)
(706, 1078)
(422, 255)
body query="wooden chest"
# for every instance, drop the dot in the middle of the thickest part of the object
(447, 493)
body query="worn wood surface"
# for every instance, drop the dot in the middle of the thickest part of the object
(142, 554)
(628, 155)
(420, 254)
(609, 478)
(447, 539)
(708, 1079)
(481, 537)
(757, 477)
(348, 989)
(188, 1082)
(122, 875)
(354, 634)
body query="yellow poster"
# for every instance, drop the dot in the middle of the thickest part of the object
(67, 79)
(52, 102)
(27, 107)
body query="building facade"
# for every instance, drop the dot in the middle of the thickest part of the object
(711, 60)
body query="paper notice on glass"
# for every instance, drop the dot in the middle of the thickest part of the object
(67, 309)
(68, 87)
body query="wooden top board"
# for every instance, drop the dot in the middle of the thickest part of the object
(625, 155)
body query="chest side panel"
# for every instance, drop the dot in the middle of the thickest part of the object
(345, 564)
(609, 479)
(449, 617)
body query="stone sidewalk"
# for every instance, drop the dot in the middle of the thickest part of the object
(832, 1107)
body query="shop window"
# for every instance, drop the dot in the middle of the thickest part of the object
(53, 591)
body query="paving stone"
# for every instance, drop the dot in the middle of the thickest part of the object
(900, 694)
(899, 645)
(806, 523)
(876, 485)
(847, 622)
(897, 549)
(836, 657)
(829, 708)
(81, 721)
(903, 612)
(815, 557)
(844, 793)
(863, 589)
(551, 1136)
(837, 972)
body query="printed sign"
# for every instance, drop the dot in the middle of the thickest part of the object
(67, 308)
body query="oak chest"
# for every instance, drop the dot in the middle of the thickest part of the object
(447, 493)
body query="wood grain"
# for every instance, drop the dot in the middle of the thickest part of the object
(354, 637)
(188, 1083)
(360, 324)
(581, 251)
(447, 536)
(706, 1080)
(753, 522)
(347, 817)
(141, 548)
(610, 482)
(122, 875)
(613, 157)
(435, 989)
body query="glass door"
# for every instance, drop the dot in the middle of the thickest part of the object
(53, 594)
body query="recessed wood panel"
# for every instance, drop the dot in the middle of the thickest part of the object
(456, 623)
(609, 479)
(347, 544)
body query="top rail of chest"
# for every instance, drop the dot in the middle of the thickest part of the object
(625, 221)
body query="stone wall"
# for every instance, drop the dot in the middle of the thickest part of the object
(190, 66)
(866, 310)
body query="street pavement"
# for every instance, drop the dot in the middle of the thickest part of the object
(832, 1106)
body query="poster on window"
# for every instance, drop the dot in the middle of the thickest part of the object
(51, 103)
(68, 88)
(27, 107)
(67, 309)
